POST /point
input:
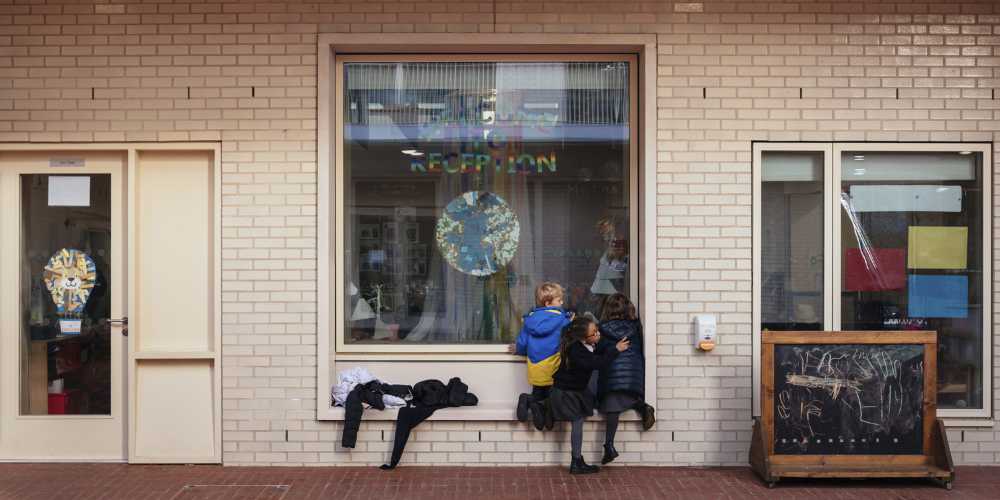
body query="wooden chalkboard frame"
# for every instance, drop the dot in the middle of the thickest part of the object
(935, 461)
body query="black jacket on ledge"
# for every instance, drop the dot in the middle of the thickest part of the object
(579, 364)
(626, 373)
(370, 394)
(428, 397)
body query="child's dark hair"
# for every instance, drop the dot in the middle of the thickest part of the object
(576, 331)
(617, 306)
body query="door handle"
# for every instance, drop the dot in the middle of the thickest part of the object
(123, 322)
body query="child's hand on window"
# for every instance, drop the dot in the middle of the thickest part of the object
(512, 348)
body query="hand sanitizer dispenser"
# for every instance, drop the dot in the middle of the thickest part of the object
(704, 332)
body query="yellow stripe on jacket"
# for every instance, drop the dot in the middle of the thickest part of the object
(541, 373)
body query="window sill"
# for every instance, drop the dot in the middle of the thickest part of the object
(493, 411)
(431, 356)
(966, 422)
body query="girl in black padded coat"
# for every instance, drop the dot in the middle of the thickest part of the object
(621, 384)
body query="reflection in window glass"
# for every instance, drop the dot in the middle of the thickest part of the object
(65, 258)
(912, 257)
(467, 184)
(792, 240)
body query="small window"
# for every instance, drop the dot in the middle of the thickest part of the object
(905, 226)
(792, 244)
(465, 183)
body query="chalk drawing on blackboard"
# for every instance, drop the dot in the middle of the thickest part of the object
(848, 399)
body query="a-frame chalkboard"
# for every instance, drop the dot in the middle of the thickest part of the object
(849, 404)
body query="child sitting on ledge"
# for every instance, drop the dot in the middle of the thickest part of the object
(570, 399)
(539, 340)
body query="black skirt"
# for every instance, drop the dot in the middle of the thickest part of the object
(570, 405)
(618, 401)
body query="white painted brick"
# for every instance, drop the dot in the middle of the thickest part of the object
(122, 73)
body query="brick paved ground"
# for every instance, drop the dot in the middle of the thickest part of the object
(92, 481)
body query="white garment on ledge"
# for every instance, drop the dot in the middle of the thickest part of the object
(348, 379)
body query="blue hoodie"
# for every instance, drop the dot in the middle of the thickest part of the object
(539, 340)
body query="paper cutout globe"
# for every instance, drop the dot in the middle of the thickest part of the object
(478, 233)
(70, 276)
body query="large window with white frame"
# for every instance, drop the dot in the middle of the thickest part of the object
(876, 236)
(463, 182)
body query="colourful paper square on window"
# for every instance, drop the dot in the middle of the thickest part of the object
(938, 247)
(874, 269)
(938, 296)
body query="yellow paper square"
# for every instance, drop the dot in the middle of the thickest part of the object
(938, 247)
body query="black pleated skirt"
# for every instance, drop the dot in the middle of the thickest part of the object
(570, 405)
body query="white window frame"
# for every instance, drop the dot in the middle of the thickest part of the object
(832, 153)
(340, 304)
(330, 347)
(757, 174)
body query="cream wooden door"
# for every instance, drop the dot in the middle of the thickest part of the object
(62, 276)
(174, 300)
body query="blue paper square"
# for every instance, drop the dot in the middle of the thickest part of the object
(938, 296)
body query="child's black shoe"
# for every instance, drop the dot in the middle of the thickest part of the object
(537, 415)
(648, 417)
(522, 407)
(610, 453)
(578, 466)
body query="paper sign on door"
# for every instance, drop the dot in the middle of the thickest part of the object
(69, 191)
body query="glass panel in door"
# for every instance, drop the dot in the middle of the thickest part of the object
(65, 295)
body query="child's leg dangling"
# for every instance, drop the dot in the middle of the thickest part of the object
(577, 465)
(610, 453)
(611, 428)
(576, 438)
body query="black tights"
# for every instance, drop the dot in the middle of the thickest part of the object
(611, 427)
(576, 438)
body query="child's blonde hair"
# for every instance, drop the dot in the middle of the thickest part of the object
(547, 292)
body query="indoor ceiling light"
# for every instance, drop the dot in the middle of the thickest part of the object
(413, 152)
(541, 105)
(859, 157)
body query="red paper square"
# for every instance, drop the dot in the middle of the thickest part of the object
(885, 269)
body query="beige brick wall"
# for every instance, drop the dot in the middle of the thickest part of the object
(244, 73)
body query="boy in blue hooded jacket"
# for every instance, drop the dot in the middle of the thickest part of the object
(539, 341)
